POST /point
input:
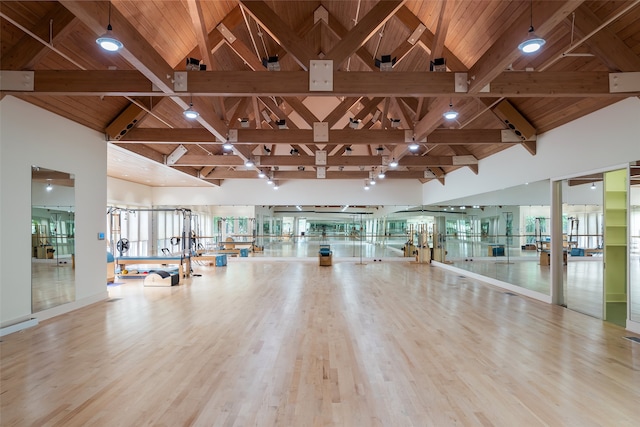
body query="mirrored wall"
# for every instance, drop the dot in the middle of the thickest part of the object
(52, 238)
(634, 241)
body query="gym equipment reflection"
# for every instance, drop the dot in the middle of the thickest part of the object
(52, 238)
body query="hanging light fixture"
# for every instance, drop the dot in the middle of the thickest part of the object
(248, 163)
(381, 174)
(533, 43)
(593, 185)
(451, 114)
(107, 41)
(49, 187)
(261, 174)
(413, 146)
(190, 113)
(393, 163)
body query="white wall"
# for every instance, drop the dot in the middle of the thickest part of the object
(302, 192)
(124, 193)
(32, 136)
(602, 140)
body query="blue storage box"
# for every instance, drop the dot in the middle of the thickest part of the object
(498, 251)
(221, 260)
(244, 252)
(577, 252)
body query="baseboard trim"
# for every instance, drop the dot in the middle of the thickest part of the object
(66, 308)
(17, 327)
(500, 284)
(633, 326)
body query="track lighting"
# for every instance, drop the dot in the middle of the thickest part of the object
(533, 43)
(107, 41)
(438, 65)
(385, 63)
(194, 64)
(271, 63)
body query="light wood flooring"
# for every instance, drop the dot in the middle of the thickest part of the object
(294, 344)
(52, 283)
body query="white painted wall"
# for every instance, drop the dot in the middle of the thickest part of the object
(602, 140)
(32, 136)
(302, 192)
(124, 193)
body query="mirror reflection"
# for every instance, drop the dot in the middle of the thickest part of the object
(634, 241)
(52, 238)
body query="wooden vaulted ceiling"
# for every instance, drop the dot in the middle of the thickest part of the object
(137, 96)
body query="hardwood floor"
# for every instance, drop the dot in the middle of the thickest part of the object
(275, 343)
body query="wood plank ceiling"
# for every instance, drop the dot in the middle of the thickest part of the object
(503, 97)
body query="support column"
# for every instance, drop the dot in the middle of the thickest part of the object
(557, 264)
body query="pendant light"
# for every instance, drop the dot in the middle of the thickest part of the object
(533, 43)
(190, 113)
(107, 41)
(451, 114)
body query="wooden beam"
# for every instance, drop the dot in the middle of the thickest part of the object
(28, 51)
(369, 105)
(138, 52)
(427, 39)
(257, 114)
(505, 50)
(240, 113)
(200, 30)
(359, 35)
(459, 150)
(340, 110)
(605, 44)
(341, 32)
(406, 114)
(431, 121)
(216, 39)
(531, 147)
(466, 136)
(305, 136)
(206, 160)
(280, 31)
(296, 83)
(275, 109)
(302, 110)
(446, 11)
